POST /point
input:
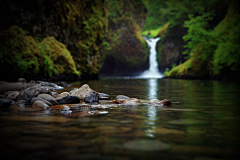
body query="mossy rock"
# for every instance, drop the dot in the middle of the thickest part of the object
(59, 56)
(19, 54)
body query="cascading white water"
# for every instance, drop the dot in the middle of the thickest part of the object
(153, 71)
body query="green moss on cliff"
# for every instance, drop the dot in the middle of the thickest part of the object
(58, 57)
(19, 53)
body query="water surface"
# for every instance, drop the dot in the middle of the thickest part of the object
(202, 123)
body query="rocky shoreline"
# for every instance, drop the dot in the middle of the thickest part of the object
(40, 95)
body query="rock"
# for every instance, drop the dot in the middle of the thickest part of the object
(32, 82)
(60, 107)
(122, 97)
(64, 84)
(162, 102)
(22, 80)
(4, 103)
(41, 99)
(73, 90)
(54, 94)
(21, 103)
(103, 96)
(28, 93)
(62, 95)
(2, 96)
(13, 96)
(131, 101)
(50, 85)
(69, 100)
(12, 87)
(49, 98)
(39, 105)
(83, 92)
(94, 97)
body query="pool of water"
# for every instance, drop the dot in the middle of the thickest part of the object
(201, 124)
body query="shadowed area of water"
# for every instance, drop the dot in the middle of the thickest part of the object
(201, 124)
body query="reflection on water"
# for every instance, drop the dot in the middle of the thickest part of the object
(152, 112)
(204, 124)
(153, 88)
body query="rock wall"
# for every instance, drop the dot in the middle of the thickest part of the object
(125, 51)
(78, 24)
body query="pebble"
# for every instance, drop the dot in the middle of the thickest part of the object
(41, 99)
(49, 98)
(39, 105)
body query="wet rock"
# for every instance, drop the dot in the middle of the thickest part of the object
(73, 90)
(54, 94)
(13, 96)
(22, 80)
(49, 98)
(32, 82)
(162, 102)
(47, 84)
(12, 87)
(21, 103)
(87, 114)
(103, 96)
(39, 105)
(41, 99)
(69, 100)
(62, 95)
(94, 97)
(131, 101)
(28, 93)
(2, 96)
(64, 84)
(86, 93)
(122, 97)
(60, 107)
(4, 103)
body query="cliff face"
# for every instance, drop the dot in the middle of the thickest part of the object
(170, 47)
(78, 24)
(125, 50)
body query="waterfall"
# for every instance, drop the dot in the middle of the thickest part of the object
(153, 71)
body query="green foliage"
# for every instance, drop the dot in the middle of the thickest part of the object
(198, 37)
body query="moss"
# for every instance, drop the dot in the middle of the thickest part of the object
(58, 57)
(19, 52)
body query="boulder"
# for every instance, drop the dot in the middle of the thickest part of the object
(60, 107)
(122, 97)
(4, 87)
(51, 85)
(69, 100)
(13, 96)
(130, 101)
(28, 93)
(83, 92)
(103, 96)
(64, 84)
(62, 95)
(39, 105)
(22, 80)
(94, 97)
(41, 99)
(162, 102)
(48, 98)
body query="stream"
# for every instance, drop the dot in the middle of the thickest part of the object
(201, 124)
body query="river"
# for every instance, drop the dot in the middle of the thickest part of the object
(201, 124)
